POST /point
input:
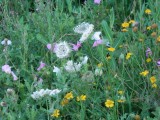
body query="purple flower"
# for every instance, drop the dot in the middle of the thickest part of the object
(148, 52)
(158, 63)
(14, 76)
(97, 1)
(6, 69)
(51, 47)
(76, 46)
(97, 42)
(42, 65)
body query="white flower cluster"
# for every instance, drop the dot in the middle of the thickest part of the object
(41, 93)
(72, 67)
(85, 29)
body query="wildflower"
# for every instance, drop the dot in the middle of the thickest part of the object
(148, 52)
(81, 98)
(82, 28)
(158, 39)
(6, 69)
(41, 93)
(76, 46)
(6, 42)
(62, 50)
(121, 99)
(14, 76)
(154, 26)
(131, 21)
(51, 47)
(149, 28)
(109, 103)
(56, 113)
(153, 79)
(64, 102)
(96, 36)
(144, 73)
(10, 91)
(121, 92)
(108, 57)
(158, 63)
(57, 70)
(84, 60)
(98, 72)
(72, 67)
(148, 60)
(124, 30)
(111, 49)
(154, 85)
(97, 42)
(148, 11)
(68, 96)
(42, 65)
(128, 55)
(100, 65)
(97, 1)
(125, 25)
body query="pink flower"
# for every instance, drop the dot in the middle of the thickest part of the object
(14, 76)
(158, 63)
(76, 46)
(51, 47)
(97, 42)
(97, 1)
(42, 65)
(6, 69)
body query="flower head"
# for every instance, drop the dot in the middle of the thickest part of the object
(97, 42)
(84, 60)
(56, 113)
(76, 46)
(128, 55)
(144, 73)
(148, 60)
(148, 11)
(6, 69)
(125, 25)
(57, 70)
(42, 65)
(62, 50)
(109, 103)
(158, 63)
(69, 96)
(111, 49)
(148, 52)
(64, 102)
(153, 79)
(154, 85)
(97, 1)
(6, 42)
(72, 67)
(98, 72)
(81, 98)
(96, 36)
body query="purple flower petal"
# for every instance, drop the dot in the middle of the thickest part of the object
(76, 46)
(42, 65)
(97, 42)
(148, 52)
(97, 1)
(158, 63)
(6, 69)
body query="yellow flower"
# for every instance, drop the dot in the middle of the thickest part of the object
(56, 113)
(153, 79)
(148, 60)
(108, 57)
(68, 96)
(154, 85)
(64, 102)
(109, 103)
(131, 21)
(128, 55)
(144, 73)
(158, 39)
(124, 30)
(120, 92)
(100, 65)
(111, 49)
(121, 101)
(148, 11)
(81, 98)
(125, 25)
(149, 27)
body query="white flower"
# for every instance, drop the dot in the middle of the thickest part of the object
(6, 42)
(72, 67)
(81, 28)
(96, 36)
(41, 93)
(86, 33)
(98, 72)
(84, 60)
(62, 50)
(57, 70)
